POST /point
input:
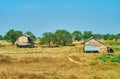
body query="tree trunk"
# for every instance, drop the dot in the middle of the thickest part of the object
(49, 44)
(64, 43)
(13, 43)
(115, 39)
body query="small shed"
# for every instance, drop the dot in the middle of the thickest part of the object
(24, 41)
(93, 45)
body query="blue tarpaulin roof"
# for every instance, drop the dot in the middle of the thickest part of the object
(91, 48)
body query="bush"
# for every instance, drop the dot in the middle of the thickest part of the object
(115, 58)
(104, 58)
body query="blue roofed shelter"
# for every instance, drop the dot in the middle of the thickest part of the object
(91, 48)
(93, 45)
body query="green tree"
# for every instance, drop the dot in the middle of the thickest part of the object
(106, 36)
(47, 38)
(98, 36)
(117, 36)
(12, 35)
(87, 34)
(31, 35)
(63, 37)
(112, 36)
(77, 35)
(1, 37)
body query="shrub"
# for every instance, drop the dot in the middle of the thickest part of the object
(104, 58)
(115, 58)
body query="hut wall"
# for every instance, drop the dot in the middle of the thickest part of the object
(22, 39)
(103, 49)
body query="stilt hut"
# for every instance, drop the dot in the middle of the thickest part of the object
(24, 41)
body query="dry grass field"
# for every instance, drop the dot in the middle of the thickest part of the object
(54, 63)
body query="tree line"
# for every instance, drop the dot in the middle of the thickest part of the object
(64, 37)
(59, 37)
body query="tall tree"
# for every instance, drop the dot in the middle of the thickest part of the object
(47, 38)
(12, 35)
(98, 36)
(112, 36)
(87, 34)
(77, 35)
(106, 36)
(31, 35)
(63, 37)
(1, 37)
(117, 36)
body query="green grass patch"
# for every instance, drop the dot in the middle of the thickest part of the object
(104, 58)
(115, 58)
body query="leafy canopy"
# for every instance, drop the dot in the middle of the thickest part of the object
(47, 38)
(31, 35)
(63, 37)
(12, 35)
(77, 35)
(1, 37)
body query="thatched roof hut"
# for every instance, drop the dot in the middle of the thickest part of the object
(93, 45)
(24, 41)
